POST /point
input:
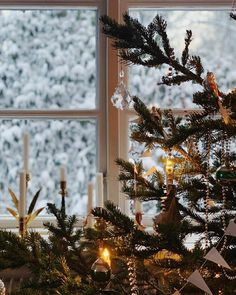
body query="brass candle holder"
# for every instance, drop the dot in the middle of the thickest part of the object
(22, 226)
(63, 193)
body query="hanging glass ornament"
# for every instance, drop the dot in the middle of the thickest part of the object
(101, 273)
(121, 98)
(2, 288)
(226, 174)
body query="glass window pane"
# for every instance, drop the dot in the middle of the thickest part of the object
(135, 153)
(52, 143)
(214, 41)
(48, 59)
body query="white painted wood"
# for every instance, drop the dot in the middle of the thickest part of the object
(113, 10)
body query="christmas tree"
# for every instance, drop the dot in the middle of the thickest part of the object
(197, 192)
(196, 196)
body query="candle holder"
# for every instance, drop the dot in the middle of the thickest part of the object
(28, 217)
(63, 193)
(89, 221)
(22, 226)
(138, 220)
(28, 178)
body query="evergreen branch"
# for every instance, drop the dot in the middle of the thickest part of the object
(195, 62)
(185, 53)
(160, 25)
(132, 36)
(233, 15)
(114, 216)
(174, 80)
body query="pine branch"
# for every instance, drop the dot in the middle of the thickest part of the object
(138, 45)
(114, 216)
(185, 53)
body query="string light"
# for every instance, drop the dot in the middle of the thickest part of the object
(169, 168)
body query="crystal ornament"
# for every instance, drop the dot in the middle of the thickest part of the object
(2, 288)
(121, 98)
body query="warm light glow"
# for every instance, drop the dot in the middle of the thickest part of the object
(169, 163)
(169, 166)
(106, 256)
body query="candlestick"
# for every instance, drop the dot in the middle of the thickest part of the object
(22, 226)
(63, 173)
(22, 199)
(63, 193)
(137, 206)
(99, 190)
(90, 205)
(26, 151)
(138, 214)
(22, 204)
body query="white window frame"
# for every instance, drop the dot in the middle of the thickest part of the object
(100, 113)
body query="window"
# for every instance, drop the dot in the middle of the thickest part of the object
(70, 98)
(53, 87)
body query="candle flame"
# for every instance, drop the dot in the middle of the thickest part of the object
(106, 256)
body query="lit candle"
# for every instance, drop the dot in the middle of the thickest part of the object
(137, 206)
(63, 173)
(26, 151)
(90, 205)
(22, 199)
(99, 190)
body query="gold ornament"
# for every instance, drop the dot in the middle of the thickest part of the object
(210, 84)
(26, 220)
(165, 254)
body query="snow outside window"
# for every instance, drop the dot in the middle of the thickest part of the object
(214, 41)
(48, 62)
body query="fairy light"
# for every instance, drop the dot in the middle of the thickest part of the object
(169, 168)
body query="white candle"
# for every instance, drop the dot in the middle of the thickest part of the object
(90, 205)
(26, 151)
(137, 206)
(99, 190)
(22, 199)
(90, 197)
(62, 173)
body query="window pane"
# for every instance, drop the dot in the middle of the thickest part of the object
(135, 153)
(48, 59)
(214, 41)
(52, 143)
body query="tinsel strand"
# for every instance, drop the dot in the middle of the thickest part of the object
(231, 278)
(132, 275)
(207, 197)
(225, 147)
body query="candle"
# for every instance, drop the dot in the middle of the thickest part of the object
(22, 200)
(26, 151)
(63, 173)
(137, 206)
(90, 205)
(99, 190)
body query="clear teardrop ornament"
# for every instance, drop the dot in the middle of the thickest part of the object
(121, 98)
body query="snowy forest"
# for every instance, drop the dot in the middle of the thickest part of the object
(48, 61)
